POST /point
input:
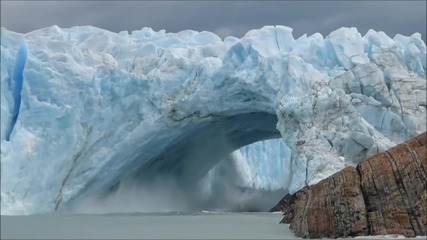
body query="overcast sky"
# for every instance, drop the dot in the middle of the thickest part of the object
(221, 17)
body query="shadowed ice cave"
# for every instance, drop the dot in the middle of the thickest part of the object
(197, 171)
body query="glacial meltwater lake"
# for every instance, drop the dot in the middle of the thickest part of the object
(205, 225)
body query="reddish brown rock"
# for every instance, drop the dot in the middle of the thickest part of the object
(384, 194)
(286, 206)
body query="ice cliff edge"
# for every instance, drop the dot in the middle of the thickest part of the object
(83, 109)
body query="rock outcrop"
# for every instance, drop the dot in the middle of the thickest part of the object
(384, 194)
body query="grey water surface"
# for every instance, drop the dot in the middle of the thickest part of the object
(202, 225)
(205, 225)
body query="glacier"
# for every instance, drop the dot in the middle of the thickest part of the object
(84, 110)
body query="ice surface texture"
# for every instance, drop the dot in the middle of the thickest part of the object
(83, 109)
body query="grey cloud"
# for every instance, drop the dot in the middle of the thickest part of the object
(222, 17)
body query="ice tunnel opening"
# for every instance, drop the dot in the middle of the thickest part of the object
(176, 180)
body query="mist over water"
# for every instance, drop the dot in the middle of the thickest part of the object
(218, 191)
(209, 177)
(165, 195)
(161, 195)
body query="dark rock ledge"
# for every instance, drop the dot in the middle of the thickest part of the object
(384, 194)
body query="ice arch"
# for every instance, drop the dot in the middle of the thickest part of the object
(192, 155)
(96, 107)
(175, 176)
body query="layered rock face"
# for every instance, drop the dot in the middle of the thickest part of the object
(384, 194)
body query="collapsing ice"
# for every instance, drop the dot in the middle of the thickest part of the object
(89, 112)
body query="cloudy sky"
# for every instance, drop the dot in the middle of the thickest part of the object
(221, 17)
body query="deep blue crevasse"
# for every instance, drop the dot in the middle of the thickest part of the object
(16, 86)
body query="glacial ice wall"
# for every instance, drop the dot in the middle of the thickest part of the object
(83, 109)
(264, 165)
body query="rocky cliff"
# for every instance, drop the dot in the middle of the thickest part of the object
(384, 194)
